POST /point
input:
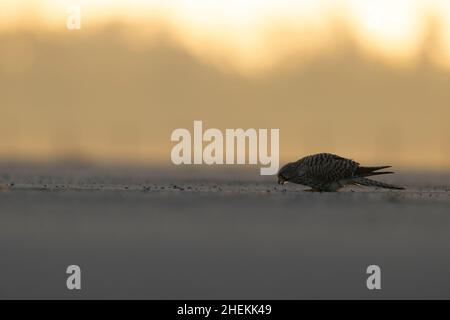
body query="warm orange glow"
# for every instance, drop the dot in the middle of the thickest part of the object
(367, 79)
(238, 32)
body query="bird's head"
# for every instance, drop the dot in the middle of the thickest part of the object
(287, 172)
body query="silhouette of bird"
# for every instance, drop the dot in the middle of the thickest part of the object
(330, 172)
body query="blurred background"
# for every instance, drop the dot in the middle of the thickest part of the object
(368, 80)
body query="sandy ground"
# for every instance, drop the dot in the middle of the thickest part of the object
(147, 236)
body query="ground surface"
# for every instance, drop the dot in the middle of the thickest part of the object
(154, 237)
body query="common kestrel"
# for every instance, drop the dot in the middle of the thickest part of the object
(330, 172)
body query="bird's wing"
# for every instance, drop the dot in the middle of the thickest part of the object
(326, 167)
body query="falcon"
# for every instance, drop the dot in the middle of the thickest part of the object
(330, 172)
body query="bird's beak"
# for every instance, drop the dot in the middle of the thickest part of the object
(281, 181)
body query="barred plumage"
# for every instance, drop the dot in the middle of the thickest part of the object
(330, 172)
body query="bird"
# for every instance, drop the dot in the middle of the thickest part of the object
(327, 172)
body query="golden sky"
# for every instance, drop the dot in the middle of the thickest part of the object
(245, 33)
(364, 79)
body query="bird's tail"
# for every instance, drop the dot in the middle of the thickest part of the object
(370, 171)
(372, 183)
